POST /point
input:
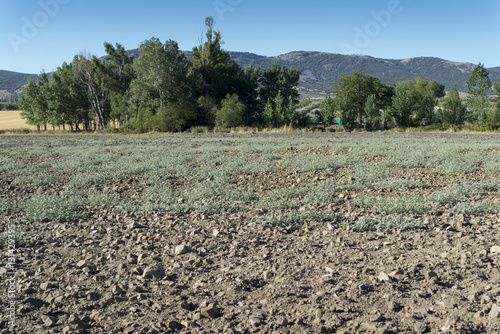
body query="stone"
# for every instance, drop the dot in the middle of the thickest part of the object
(376, 317)
(255, 321)
(133, 225)
(174, 325)
(186, 306)
(495, 249)
(267, 275)
(132, 259)
(495, 311)
(81, 264)
(282, 321)
(383, 277)
(369, 326)
(182, 249)
(46, 286)
(319, 313)
(49, 321)
(154, 272)
(209, 312)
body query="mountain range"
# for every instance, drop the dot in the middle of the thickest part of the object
(320, 70)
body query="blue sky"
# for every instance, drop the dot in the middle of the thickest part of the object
(39, 35)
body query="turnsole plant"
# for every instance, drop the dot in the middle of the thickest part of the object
(20, 237)
(386, 223)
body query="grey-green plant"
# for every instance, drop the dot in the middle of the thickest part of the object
(18, 234)
(386, 223)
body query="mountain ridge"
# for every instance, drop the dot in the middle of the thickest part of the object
(320, 70)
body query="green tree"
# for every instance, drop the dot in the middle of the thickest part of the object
(68, 101)
(453, 111)
(479, 104)
(279, 110)
(373, 116)
(290, 111)
(358, 87)
(402, 106)
(218, 75)
(348, 112)
(231, 113)
(267, 116)
(280, 79)
(35, 104)
(92, 76)
(121, 75)
(496, 113)
(327, 110)
(162, 79)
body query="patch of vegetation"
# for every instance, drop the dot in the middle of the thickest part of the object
(21, 238)
(386, 223)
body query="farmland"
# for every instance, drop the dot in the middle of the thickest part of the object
(286, 233)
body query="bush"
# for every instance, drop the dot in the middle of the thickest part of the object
(231, 113)
(21, 238)
(386, 223)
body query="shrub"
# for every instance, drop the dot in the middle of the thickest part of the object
(386, 223)
(231, 113)
(21, 238)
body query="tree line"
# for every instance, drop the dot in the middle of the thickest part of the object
(161, 90)
(361, 100)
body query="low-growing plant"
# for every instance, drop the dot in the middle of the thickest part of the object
(21, 238)
(466, 208)
(36, 179)
(63, 207)
(294, 218)
(393, 204)
(386, 223)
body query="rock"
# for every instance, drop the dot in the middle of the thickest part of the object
(255, 321)
(283, 330)
(117, 290)
(383, 277)
(495, 249)
(267, 275)
(73, 319)
(215, 232)
(376, 317)
(420, 328)
(369, 326)
(209, 312)
(186, 306)
(132, 225)
(174, 325)
(318, 314)
(182, 249)
(494, 312)
(129, 330)
(108, 297)
(49, 321)
(154, 272)
(282, 321)
(81, 264)
(46, 286)
(131, 258)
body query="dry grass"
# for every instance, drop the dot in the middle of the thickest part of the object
(10, 120)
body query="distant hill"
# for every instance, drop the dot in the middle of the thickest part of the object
(320, 70)
(12, 82)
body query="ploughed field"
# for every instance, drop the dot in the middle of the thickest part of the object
(289, 233)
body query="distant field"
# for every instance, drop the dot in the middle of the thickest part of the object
(13, 120)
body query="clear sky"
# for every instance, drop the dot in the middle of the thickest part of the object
(39, 35)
